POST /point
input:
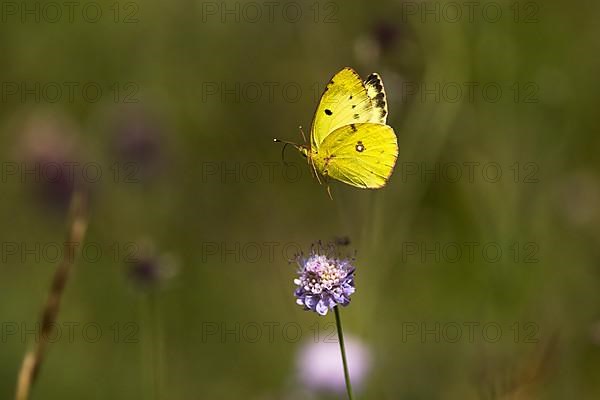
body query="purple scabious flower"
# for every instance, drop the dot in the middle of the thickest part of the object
(49, 155)
(139, 142)
(148, 269)
(324, 281)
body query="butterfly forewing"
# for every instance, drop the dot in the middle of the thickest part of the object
(344, 101)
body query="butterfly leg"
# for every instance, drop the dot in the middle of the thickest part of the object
(326, 178)
(317, 176)
(314, 169)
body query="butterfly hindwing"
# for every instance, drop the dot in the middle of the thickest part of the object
(361, 155)
(344, 101)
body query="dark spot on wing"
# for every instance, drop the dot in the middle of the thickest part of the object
(356, 116)
(328, 111)
(371, 78)
(374, 81)
(353, 105)
(380, 100)
(350, 97)
(353, 127)
(360, 147)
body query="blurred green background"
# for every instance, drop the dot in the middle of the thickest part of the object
(176, 105)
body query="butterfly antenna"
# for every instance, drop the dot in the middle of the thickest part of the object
(282, 150)
(302, 133)
(283, 154)
(285, 144)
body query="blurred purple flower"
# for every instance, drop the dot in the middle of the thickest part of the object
(138, 142)
(148, 269)
(386, 34)
(324, 281)
(320, 367)
(49, 156)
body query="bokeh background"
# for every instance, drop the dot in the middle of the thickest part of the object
(470, 286)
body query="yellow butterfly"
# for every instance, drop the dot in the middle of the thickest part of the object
(349, 138)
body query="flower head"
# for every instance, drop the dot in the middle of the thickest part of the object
(324, 281)
(49, 149)
(148, 269)
(139, 142)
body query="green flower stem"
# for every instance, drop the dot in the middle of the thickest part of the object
(338, 322)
